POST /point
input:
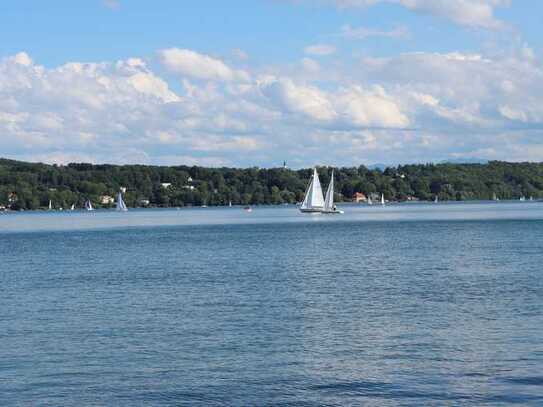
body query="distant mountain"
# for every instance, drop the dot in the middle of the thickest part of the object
(459, 160)
(464, 160)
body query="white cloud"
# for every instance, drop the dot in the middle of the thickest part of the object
(320, 49)
(409, 107)
(292, 98)
(195, 65)
(22, 58)
(370, 108)
(469, 13)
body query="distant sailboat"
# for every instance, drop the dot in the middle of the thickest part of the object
(121, 206)
(313, 200)
(522, 198)
(50, 205)
(329, 206)
(436, 199)
(370, 202)
(494, 197)
(531, 198)
(88, 205)
(383, 199)
(230, 204)
(72, 207)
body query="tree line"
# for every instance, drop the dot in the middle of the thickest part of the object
(32, 185)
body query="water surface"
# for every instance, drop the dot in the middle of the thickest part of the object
(402, 305)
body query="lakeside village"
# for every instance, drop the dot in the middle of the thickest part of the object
(34, 186)
(110, 202)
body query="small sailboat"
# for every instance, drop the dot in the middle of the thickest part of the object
(436, 199)
(72, 207)
(50, 205)
(329, 206)
(121, 206)
(522, 198)
(369, 201)
(248, 209)
(383, 199)
(531, 198)
(88, 205)
(230, 204)
(313, 199)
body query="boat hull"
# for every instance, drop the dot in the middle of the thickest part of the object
(337, 212)
(310, 210)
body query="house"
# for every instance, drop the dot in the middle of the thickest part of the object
(166, 185)
(359, 197)
(144, 202)
(106, 200)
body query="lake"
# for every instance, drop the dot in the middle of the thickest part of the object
(411, 304)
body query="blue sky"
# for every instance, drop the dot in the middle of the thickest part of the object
(254, 82)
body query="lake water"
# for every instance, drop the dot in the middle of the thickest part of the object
(410, 305)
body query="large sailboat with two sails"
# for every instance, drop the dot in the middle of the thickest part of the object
(314, 202)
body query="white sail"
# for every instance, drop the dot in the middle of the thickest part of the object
(121, 206)
(382, 199)
(436, 200)
(50, 205)
(329, 200)
(313, 200)
(88, 205)
(370, 202)
(72, 207)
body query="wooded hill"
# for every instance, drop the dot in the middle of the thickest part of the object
(31, 186)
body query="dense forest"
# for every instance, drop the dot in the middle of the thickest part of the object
(31, 186)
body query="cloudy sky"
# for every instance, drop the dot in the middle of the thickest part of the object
(256, 82)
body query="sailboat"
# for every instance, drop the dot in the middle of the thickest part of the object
(121, 206)
(72, 207)
(329, 206)
(436, 199)
(50, 205)
(383, 199)
(313, 200)
(370, 202)
(88, 205)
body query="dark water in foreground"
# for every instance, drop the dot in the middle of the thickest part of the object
(400, 306)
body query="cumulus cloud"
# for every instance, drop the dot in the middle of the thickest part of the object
(200, 66)
(408, 107)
